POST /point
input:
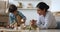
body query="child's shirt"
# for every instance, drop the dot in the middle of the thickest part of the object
(12, 17)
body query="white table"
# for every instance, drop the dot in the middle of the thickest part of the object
(47, 30)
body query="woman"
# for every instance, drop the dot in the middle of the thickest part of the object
(46, 19)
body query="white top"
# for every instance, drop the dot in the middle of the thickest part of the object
(46, 22)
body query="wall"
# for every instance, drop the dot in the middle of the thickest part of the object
(55, 7)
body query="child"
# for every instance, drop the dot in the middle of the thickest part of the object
(15, 16)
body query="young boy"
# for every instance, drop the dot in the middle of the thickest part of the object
(15, 16)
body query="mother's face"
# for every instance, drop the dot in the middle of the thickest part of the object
(40, 11)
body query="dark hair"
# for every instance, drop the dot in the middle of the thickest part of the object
(12, 8)
(42, 6)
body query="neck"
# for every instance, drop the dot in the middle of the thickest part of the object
(44, 14)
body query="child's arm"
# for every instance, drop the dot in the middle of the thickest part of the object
(23, 17)
(21, 14)
(18, 19)
(12, 19)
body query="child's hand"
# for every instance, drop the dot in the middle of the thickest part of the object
(11, 26)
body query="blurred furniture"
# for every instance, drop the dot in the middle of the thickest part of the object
(56, 13)
(3, 15)
(57, 17)
(2, 7)
(4, 20)
(58, 25)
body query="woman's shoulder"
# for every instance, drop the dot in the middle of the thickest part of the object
(49, 13)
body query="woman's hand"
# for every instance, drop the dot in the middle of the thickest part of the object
(33, 22)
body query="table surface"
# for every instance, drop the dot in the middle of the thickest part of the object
(46, 30)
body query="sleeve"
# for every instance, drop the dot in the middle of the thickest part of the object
(11, 18)
(23, 17)
(38, 21)
(45, 22)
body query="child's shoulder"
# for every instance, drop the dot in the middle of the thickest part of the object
(11, 14)
(19, 12)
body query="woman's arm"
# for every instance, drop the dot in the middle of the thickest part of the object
(46, 22)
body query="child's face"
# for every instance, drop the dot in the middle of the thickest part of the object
(15, 12)
(40, 11)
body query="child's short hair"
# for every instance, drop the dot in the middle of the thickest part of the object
(12, 8)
